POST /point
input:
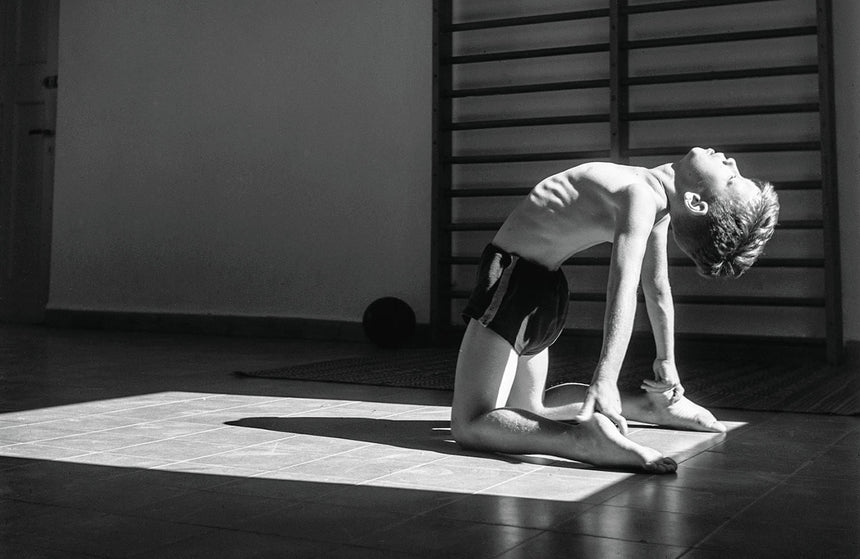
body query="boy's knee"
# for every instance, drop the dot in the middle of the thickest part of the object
(463, 431)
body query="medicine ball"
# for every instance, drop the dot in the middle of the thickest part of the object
(389, 322)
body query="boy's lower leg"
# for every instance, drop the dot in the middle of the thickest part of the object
(597, 441)
(482, 420)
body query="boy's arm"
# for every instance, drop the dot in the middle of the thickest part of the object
(633, 228)
(661, 312)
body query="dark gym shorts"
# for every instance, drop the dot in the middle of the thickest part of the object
(523, 302)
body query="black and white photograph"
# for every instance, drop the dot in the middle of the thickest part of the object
(391, 279)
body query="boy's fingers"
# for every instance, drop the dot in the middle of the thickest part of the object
(654, 386)
(663, 386)
(587, 409)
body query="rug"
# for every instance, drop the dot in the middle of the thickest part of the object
(721, 381)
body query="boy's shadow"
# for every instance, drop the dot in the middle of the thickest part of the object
(433, 436)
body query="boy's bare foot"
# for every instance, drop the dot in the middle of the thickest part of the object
(600, 443)
(654, 407)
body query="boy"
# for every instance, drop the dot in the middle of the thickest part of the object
(719, 219)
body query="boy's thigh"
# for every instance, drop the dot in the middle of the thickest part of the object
(486, 367)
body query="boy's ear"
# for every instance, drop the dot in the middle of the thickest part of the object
(694, 204)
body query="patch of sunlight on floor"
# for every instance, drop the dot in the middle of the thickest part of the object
(314, 440)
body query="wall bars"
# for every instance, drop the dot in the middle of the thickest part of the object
(523, 90)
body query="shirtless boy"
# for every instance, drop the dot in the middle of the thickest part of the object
(720, 219)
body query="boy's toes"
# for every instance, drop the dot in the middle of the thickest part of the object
(664, 465)
(707, 422)
(717, 427)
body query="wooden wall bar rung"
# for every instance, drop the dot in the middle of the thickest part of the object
(720, 300)
(525, 157)
(721, 37)
(685, 5)
(679, 262)
(487, 192)
(714, 75)
(528, 53)
(522, 191)
(736, 148)
(543, 121)
(527, 20)
(792, 225)
(798, 185)
(588, 14)
(528, 88)
(632, 152)
(725, 111)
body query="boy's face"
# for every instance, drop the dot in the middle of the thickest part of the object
(710, 174)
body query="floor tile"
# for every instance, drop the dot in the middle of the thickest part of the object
(678, 445)
(322, 522)
(263, 456)
(435, 476)
(724, 481)
(525, 512)
(711, 502)
(204, 508)
(647, 526)
(407, 502)
(742, 538)
(40, 451)
(172, 449)
(556, 484)
(165, 429)
(118, 495)
(100, 441)
(808, 505)
(759, 462)
(231, 544)
(286, 489)
(86, 532)
(559, 544)
(345, 468)
(443, 537)
(357, 552)
(839, 462)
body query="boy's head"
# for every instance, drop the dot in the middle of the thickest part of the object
(720, 219)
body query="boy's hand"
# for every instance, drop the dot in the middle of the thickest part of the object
(666, 379)
(603, 396)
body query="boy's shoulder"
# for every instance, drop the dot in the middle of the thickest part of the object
(641, 207)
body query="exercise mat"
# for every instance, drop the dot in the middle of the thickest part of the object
(713, 380)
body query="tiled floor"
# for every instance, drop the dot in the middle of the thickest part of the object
(142, 445)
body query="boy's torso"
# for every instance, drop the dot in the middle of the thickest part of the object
(572, 211)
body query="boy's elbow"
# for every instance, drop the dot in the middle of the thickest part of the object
(660, 293)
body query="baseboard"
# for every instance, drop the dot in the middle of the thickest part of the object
(218, 325)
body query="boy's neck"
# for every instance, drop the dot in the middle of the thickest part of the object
(666, 175)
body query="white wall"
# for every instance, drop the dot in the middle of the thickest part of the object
(262, 157)
(846, 31)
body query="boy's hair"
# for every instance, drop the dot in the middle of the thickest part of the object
(727, 240)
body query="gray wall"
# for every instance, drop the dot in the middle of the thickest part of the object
(263, 158)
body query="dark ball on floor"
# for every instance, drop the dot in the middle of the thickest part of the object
(389, 322)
